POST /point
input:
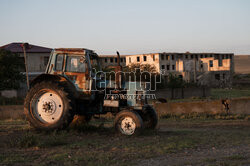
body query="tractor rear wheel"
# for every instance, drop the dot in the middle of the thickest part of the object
(149, 117)
(48, 106)
(128, 122)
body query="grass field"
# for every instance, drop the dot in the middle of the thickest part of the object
(229, 93)
(175, 142)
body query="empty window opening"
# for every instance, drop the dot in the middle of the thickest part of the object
(173, 67)
(138, 59)
(217, 76)
(162, 57)
(211, 63)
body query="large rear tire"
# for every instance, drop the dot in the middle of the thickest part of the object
(149, 117)
(48, 106)
(128, 123)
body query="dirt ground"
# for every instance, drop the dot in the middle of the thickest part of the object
(175, 142)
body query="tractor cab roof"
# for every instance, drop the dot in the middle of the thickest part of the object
(79, 51)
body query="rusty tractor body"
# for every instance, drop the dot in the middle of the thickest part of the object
(73, 84)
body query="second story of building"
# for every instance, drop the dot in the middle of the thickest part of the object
(111, 60)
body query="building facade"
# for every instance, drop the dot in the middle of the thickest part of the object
(37, 56)
(37, 60)
(206, 69)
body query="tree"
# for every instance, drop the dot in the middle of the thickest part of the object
(11, 66)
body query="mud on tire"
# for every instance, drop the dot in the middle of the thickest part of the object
(48, 106)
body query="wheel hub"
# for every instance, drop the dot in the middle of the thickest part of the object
(48, 107)
(128, 126)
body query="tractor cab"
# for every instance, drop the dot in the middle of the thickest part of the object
(74, 64)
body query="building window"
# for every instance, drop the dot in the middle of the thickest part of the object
(226, 56)
(172, 57)
(129, 60)
(211, 55)
(186, 56)
(217, 76)
(173, 67)
(121, 59)
(116, 60)
(220, 62)
(111, 60)
(201, 56)
(162, 66)
(145, 58)
(196, 57)
(46, 60)
(138, 59)
(222, 56)
(205, 56)
(106, 60)
(192, 56)
(124, 59)
(168, 67)
(162, 56)
(153, 57)
(211, 63)
(231, 57)
(167, 57)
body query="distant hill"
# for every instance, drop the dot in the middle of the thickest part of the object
(242, 64)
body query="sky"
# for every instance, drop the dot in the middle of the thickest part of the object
(129, 26)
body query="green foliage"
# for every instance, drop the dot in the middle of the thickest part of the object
(10, 67)
(143, 68)
(175, 82)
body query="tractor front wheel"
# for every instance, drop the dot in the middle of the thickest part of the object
(128, 122)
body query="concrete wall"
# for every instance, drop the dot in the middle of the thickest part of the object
(11, 112)
(209, 107)
(236, 106)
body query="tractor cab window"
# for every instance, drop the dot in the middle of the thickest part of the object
(75, 64)
(59, 62)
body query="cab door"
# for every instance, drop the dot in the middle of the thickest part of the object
(76, 70)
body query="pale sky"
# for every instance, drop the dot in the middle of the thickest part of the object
(130, 26)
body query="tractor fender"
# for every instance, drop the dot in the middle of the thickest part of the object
(59, 79)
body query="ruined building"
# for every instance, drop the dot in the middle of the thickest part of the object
(206, 69)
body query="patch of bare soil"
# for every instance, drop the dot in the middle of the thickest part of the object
(234, 155)
(175, 142)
